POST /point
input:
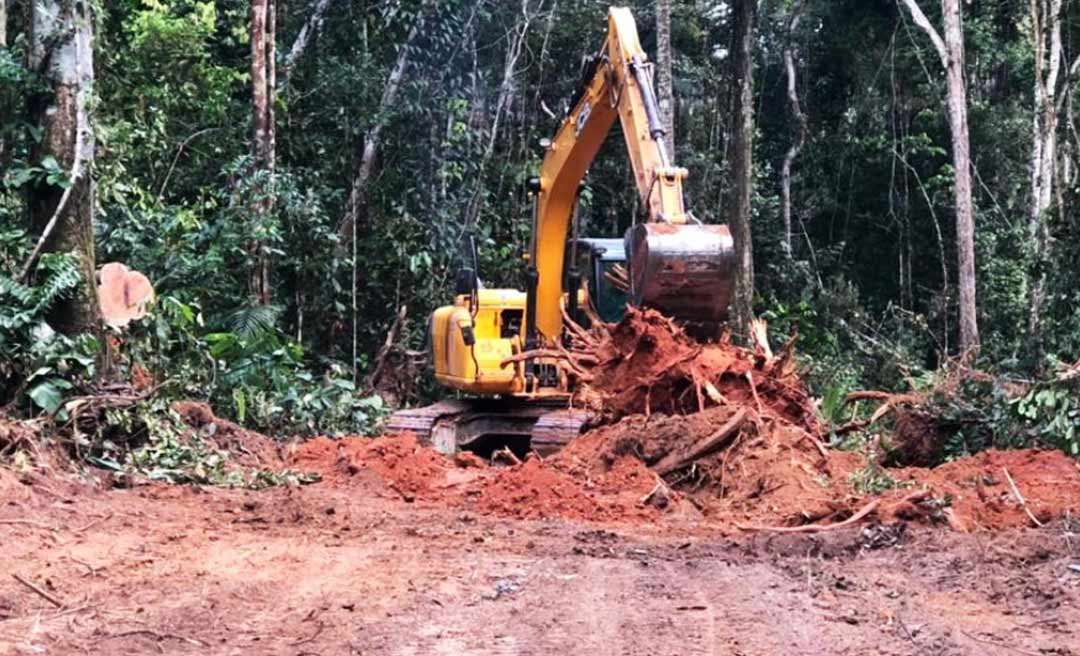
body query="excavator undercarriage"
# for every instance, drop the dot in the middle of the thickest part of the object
(483, 425)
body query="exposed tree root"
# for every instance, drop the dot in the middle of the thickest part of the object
(814, 528)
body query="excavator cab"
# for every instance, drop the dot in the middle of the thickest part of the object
(603, 261)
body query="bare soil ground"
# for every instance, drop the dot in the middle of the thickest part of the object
(356, 569)
(704, 516)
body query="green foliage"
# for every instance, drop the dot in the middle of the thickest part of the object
(982, 412)
(872, 479)
(262, 380)
(36, 364)
(161, 447)
(1050, 415)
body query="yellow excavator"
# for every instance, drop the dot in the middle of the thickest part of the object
(669, 261)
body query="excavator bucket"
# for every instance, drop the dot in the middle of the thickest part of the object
(686, 271)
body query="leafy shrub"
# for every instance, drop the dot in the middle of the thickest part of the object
(37, 365)
(157, 444)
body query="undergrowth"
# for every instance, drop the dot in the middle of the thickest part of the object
(150, 439)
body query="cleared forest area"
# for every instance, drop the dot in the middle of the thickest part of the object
(539, 326)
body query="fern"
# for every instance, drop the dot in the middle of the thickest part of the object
(62, 275)
(26, 305)
(16, 290)
(253, 321)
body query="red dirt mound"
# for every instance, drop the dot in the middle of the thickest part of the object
(411, 470)
(535, 489)
(974, 493)
(530, 489)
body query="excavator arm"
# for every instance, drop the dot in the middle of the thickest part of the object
(676, 264)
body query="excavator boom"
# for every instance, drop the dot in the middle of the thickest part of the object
(677, 265)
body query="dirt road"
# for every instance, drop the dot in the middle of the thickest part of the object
(324, 570)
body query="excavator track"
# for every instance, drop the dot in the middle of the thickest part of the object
(555, 429)
(421, 421)
(477, 424)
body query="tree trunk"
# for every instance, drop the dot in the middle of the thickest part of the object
(799, 138)
(965, 214)
(1046, 34)
(3, 23)
(357, 201)
(664, 84)
(312, 27)
(951, 52)
(263, 80)
(740, 155)
(506, 89)
(61, 51)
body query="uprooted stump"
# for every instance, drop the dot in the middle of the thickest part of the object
(731, 429)
(647, 364)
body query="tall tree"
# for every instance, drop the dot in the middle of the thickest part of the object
(61, 52)
(664, 82)
(356, 204)
(263, 139)
(3, 23)
(950, 50)
(1046, 18)
(741, 158)
(799, 138)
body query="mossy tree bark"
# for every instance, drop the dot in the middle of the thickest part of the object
(61, 52)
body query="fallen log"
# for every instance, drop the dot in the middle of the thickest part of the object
(679, 459)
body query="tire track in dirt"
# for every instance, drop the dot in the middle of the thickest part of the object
(333, 572)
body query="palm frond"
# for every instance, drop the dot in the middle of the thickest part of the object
(253, 321)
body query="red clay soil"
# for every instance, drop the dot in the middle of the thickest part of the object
(318, 569)
(407, 468)
(771, 472)
(980, 496)
(535, 489)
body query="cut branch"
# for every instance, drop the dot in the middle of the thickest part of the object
(924, 24)
(311, 29)
(814, 528)
(674, 461)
